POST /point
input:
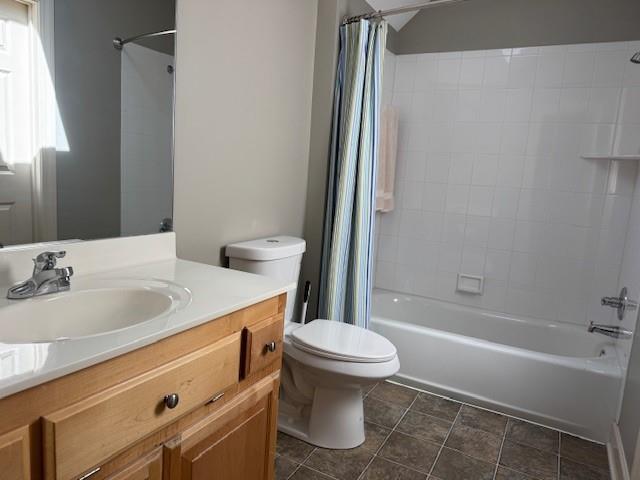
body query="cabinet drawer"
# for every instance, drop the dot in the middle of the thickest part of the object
(262, 344)
(91, 431)
(147, 468)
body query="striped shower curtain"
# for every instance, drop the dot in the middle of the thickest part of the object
(347, 263)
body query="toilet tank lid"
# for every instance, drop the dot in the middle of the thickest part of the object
(270, 248)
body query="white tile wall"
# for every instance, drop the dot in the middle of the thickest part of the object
(490, 180)
(146, 131)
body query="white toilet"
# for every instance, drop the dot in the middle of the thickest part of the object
(326, 364)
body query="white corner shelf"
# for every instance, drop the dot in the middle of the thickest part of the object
(611, 157)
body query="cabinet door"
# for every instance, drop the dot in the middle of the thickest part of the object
(237, 442)
(15, 457)
(147, 468)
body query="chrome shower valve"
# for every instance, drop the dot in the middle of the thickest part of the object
(620, 303)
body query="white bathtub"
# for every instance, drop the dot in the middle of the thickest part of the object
(554, 374)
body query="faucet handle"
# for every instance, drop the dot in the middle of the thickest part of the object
(47, 260)
(621, 303)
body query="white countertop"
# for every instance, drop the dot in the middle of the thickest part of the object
(215, 292)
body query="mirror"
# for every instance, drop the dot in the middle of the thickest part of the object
(86, 119)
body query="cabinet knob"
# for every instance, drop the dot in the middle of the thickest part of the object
(271, 347)
(171, 400)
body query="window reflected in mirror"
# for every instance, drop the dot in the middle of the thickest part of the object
(86, 119)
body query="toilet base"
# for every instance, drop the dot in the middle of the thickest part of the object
(335, 419)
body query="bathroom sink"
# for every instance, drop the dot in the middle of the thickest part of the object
(87, 310)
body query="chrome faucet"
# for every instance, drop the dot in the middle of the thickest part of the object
(610, 330)
(46, 278)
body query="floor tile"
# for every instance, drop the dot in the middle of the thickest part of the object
(396, 394)
(529, 460)
(570, 470)
(482, 420)
(475, 443)
(424, 427)
(284, 467)
(410, 451)
(452, 465)
(536, 436)
(342, 464)
(507, 474)
(367, 389)
(374, 436)
(292, 448)
(304, 473)
(381, 469)
(583, 451)
(436, 406)
(382, 413)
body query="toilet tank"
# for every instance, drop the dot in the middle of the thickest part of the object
(276, 257)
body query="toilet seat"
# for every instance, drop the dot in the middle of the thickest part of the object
(343, 342)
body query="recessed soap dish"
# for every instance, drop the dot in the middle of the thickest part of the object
(473, 284)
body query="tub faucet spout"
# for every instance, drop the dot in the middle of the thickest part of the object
(610, 330)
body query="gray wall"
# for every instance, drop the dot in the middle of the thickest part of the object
(330, 16)
(88, 93)
(488, 24)
(326, 48)
(243, 109)
(351, 8)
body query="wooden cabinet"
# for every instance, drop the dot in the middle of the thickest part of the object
(113, 421)
(15, 455)
(234, 443)
(147, 468)
(262, 345)
(131, 410)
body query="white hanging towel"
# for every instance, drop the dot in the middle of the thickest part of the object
(388, 148)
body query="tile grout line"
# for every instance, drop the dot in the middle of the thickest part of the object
(393, 429)
(443, 443)
(294, 471)
(463, 404)
(433, 442)
(479, 407)
(559, 452)
(496, 412)
(401, 465)
(318, 471)
(584, 464)
(301, 463)
(504, 438)
(416, 412)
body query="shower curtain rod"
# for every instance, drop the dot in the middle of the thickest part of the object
(118, 42)
(395, 11)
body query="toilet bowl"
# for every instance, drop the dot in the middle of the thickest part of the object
(326, 364)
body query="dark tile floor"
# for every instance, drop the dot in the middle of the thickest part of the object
(417, 436)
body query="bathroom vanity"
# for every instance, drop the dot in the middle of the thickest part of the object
(190, 394)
